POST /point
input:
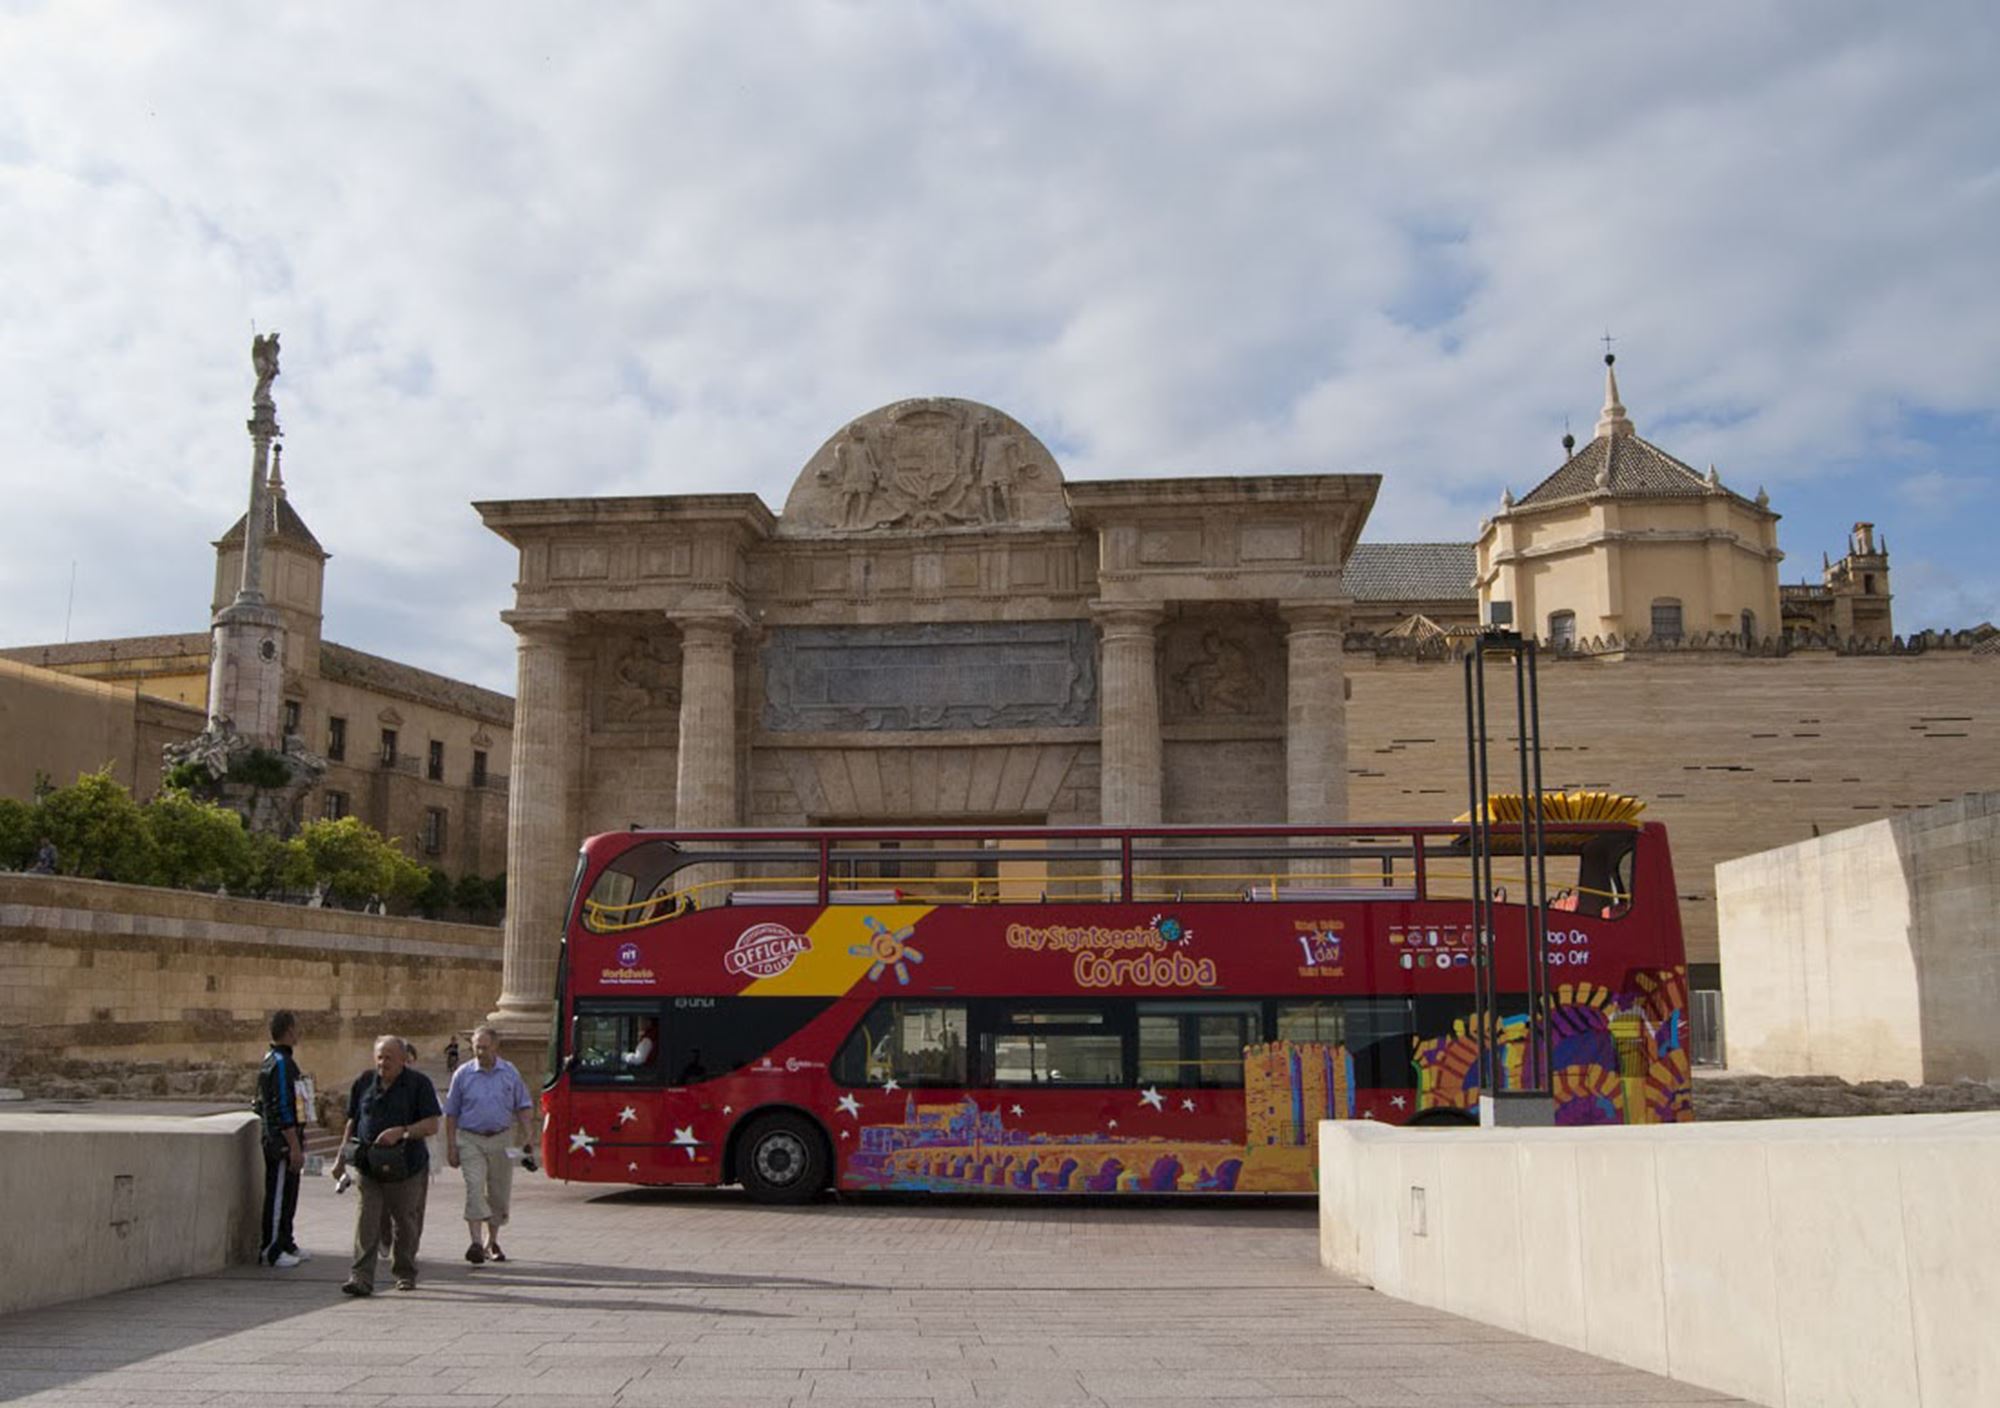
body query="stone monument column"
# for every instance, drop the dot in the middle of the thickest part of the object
(1129, 715)
(1315, 715)
(705, 787)
(542, 834)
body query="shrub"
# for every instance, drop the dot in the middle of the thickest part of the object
(19, 834)
(195, 843)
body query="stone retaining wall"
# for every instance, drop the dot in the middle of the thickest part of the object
(126, 990)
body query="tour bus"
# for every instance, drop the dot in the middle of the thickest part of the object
(1086, 1010)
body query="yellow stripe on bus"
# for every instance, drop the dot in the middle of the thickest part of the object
(844, 949)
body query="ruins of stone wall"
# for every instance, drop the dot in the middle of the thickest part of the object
(123, 989)
(1734, 753)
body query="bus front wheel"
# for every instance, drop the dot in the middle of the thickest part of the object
(782, 1159)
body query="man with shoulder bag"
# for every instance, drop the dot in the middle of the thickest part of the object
(391, 1110)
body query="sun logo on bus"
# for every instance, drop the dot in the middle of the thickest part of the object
(889, 950)
(1171, 929)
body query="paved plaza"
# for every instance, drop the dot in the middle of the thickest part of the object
(655, 1297)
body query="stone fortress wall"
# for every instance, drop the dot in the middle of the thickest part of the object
(115, 978)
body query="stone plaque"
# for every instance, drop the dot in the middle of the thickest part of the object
(1219, 668)
(936, 676)
(1272, 542)
(579, 561)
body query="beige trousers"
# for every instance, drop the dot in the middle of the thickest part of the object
(489, 1175)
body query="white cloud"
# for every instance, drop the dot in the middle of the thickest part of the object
(671, 250)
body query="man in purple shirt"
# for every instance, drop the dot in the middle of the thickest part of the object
(487, 1112)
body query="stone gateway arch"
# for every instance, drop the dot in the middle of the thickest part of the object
(937, 627)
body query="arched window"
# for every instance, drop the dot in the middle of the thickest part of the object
(1667, 618)
(1562, 629)
(1749, 629)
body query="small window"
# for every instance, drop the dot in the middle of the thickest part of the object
(388, 747)
(291, 717)
(1312, 1021)
(1748, 627)
(433, 830)
(333, 805)
(1381, 1037)
(1195, 1044)
(617, 1043)
(1667, 618)
(1868, 583)
(1052, 1046)
(435, 767)
(709, 1037)
(479, 767)
(1562, 629)
(912, 1043)
(336, 740)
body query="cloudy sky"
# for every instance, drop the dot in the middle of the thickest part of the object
(518, 251)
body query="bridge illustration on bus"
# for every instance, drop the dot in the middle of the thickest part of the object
(1092, 1010)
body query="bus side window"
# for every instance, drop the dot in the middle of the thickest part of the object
(912, 1043)
(1381, 1036)
(1312, 1021)
(620, 1043)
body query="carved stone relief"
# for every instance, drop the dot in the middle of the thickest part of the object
(638, 682)
(924, 465)
(934, 676)
(1216, 667)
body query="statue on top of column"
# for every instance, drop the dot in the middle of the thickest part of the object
(264, 358)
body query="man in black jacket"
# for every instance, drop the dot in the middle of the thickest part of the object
(391, 1110)
(284, 1142)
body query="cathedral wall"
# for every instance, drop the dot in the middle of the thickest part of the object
(1735, 755)
(61, 726)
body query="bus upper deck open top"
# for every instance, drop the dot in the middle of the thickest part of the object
(1034, 1009)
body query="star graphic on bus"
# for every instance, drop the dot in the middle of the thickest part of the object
(1151, 1096)
(889, 1086)
(583, 1139)
(1017, 1111)
(850, 1106)
(1187, 1104)
(889, 950)
(1398, 1101)
(1113, 1124)
(684, 1139)
(627, 1115)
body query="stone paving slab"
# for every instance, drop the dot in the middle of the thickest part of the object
(659, 1299)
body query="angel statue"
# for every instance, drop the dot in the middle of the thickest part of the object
(264, 357)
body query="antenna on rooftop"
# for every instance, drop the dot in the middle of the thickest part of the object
(70, 609)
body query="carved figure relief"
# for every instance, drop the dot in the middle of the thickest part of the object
(642, 683)
(918, 466)
(1216, 668)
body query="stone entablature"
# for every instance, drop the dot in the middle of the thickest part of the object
(934, 602)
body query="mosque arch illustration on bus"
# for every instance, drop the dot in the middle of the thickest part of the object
(1089, 1010)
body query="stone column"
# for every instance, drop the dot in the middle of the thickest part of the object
(705, 788)
(1129, 715)
(1315, 715)
(541, 826)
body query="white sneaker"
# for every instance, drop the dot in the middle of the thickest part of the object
(300, 1254)
(284, 1261)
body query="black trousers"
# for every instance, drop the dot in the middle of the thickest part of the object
(281, 1201)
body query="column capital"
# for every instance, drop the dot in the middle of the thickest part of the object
(1117, 618)
(542, 625)
(1302, 616)
(722, 626)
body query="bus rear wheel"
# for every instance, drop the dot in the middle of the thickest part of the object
(782, 1159)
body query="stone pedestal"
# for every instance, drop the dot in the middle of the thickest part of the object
(1315, 716)
(1129, 715)
(542, 834)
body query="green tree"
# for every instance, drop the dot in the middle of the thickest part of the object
(18, 834)
(473, 897)
(354, 862)
(437, 895)
(196, 843)
(99, 831)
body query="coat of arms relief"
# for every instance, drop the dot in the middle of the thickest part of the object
(929, 464)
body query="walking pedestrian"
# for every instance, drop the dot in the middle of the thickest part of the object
(391, 1110)
(278, 1107)
(488, 1113)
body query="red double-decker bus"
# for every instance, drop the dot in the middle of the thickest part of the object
(1096, 1010)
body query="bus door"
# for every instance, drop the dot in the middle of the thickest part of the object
(618, 1051)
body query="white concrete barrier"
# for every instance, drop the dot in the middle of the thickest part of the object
(95, 1203)
(1791, 1262)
